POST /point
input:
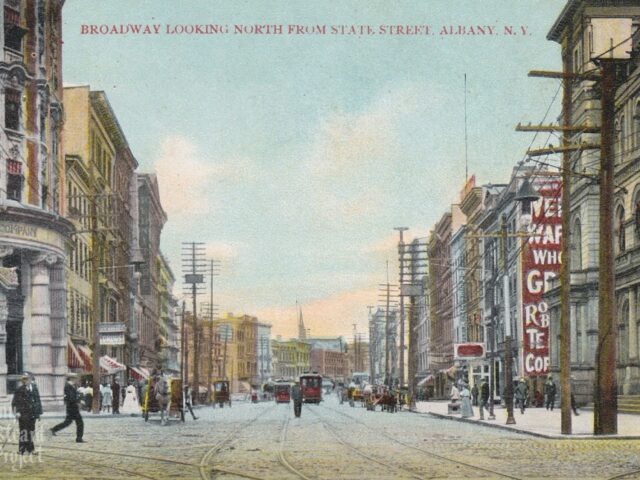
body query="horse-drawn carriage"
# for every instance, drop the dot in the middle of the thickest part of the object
(221, 393)
(164, 395)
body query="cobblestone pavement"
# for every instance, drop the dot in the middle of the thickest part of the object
(329, 441)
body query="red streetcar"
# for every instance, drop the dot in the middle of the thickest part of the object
(282, 392)
(311, 387)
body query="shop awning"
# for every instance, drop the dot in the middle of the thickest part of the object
(74, 360)
(244, 387)
(425, 380)
(86, 354)
(110, 365)
(137, 374)
(145, 371)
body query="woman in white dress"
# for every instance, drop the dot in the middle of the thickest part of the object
(131, 404)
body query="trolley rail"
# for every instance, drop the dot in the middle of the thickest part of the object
(475, 468)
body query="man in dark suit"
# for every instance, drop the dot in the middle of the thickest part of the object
(27, 409)
(71, 401)
(115, 401)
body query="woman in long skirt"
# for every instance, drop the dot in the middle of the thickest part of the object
(465, 396)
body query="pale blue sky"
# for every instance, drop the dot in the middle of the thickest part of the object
(295, 156)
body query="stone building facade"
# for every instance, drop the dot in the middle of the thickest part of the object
(574, 31)
(33, 232)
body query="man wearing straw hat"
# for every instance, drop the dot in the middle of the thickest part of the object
(71, 400)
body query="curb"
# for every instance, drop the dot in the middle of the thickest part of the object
(530, 433)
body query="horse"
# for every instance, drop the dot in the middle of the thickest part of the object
(162, 396)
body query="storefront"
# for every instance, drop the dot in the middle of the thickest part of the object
(33, 335)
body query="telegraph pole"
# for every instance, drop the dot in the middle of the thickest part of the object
(401, 230)
(508, 387)
(372, 342)
(95, 289)
(183, 344)
(565, 245)
(606, 400)
(194, 266)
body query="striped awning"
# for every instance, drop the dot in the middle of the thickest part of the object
(137, 373)
(86, 354)
(74, 360)
(110, 365)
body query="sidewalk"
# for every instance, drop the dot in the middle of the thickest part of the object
(538, 421)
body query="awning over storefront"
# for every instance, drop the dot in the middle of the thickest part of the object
(137, 373)
(244, 387)
(74, 360)
(427, 380)
(110, 366)
(86, 354)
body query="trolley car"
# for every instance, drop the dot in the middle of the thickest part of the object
(311, 387)
(283, 392)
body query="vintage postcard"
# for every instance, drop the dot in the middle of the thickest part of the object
(322, 239)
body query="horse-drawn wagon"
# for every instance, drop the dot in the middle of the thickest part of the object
(221, 393)
(163, 395)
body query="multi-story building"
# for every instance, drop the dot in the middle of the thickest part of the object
(264, 355)
(382, 327)
(151, 219)
(100, 169)
(329, 363)
(33, 231)
(291, 358)
(472, 205)
(210, 347)
(168, 328)
(584, 30)
(358, 356)
(441, 296)
(238, 334)
(336, 344)
(418, 278)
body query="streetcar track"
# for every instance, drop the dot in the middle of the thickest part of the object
(433, 454)
(624, 475)
(206, 458)
(101, 465)
(281, 456)
(396, 468)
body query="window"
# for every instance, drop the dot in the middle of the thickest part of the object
(623, 326)
(12, 109)
(620, 141)
(576, 245)
(13, 32)
(14, 180)
(636, 126)
(620, 230)
(637, 217)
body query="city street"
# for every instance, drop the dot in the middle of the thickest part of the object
(329, 441)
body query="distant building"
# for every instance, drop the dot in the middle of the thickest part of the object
(336, 344)
(151, 220)
(264, 354)
(358, 357)
(291, 358)
(329, 363)
(239, 338)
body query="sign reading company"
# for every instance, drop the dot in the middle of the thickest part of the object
(32, 235)
(541, 258)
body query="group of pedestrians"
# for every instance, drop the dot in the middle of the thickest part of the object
(480, 397)
(27, 408)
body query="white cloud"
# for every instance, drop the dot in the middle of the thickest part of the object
(189, 181)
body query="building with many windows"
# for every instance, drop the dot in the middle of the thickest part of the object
(33, 231)
(100, 171)
(291, 358)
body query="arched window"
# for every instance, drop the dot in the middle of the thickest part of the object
(636, 217)
(620, 230)
(576, 245)
(620, 141)
(623, 328)
(636, 126)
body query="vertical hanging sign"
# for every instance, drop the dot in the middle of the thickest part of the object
(541, 258)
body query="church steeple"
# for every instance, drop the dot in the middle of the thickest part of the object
(302, 332)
